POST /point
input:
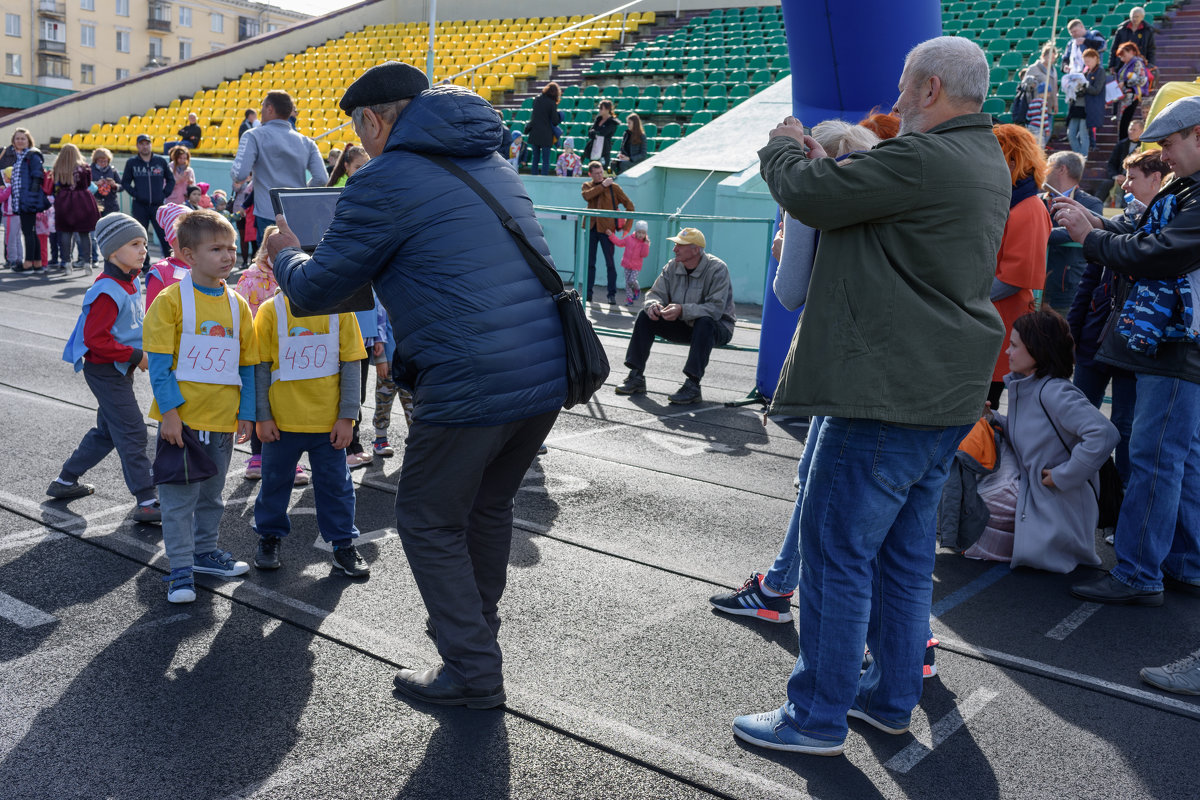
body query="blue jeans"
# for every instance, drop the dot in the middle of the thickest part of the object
(1159, 527)
(784, 574)
(541, 160)
(1092, 379)
(869, 545)
(333, 490)
(191, 513)
(1078, 135)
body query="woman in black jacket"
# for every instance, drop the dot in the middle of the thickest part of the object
(633, 144)
(600, 137)
(28, 197)
(540, 130)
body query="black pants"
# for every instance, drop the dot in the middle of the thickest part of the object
(597, 238)
(33, 250)
(249, 249)
(145, 214)
(703, 335)
(454, 512)
(1126, 118)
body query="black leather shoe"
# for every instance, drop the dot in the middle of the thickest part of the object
(1176, 585)
(267, 556)
(688, 393)
(434, 686)
(634, 384)
(1111, 591)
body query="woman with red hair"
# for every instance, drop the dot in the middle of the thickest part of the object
(1021, 262)
(885, 126)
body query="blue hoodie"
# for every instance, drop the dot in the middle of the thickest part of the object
(478, 338)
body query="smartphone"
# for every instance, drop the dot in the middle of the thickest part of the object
(1053, 192)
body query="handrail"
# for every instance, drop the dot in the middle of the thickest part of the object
(474, 69)
(539, 41)
(591, 212)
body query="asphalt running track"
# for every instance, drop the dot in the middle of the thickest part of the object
(621, 681)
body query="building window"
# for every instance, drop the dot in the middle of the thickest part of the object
(247, 28)
(12, 24)
(54, 31)
(53, 67)
(215, 46)
(216, 22)
(122, 8)
(156, 50)
(122, 74)
(12, 63)
(185, 49)
(87, 73)
(87, 5)
(87, 35)
(122, 41)
(185, 17)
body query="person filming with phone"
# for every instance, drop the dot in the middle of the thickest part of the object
(479, 343)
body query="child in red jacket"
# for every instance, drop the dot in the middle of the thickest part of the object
(637, 247)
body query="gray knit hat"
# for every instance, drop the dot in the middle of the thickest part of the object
(116, 230)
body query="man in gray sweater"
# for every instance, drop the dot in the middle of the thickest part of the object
(278, 157)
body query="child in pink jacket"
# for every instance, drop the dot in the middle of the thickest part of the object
(637, 247)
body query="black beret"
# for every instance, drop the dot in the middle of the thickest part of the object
(384, 83)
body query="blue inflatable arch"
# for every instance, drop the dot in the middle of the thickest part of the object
(846, 59)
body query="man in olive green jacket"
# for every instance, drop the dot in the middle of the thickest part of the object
(895, 350)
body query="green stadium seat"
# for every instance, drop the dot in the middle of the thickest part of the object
(591, 90)
(671, 105)
(738, 76)
(693, 104)
(632, 90)
(673, 66)
(703, 117)
(672, 130)
(571, 91)
(716, 76)
(653, 90)
(691, 128)
(781, 63)
(761, 77)
(695, 77)
(739, 91)
(646, 105)
(651, 129)
(694, 90)
(998, 74)
(674, 90)
(718, 105)
(994, 105)
(527, 103)
(1007, 89)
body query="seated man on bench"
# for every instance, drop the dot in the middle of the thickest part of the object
(690, 302)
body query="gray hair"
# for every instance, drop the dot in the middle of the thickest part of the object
(1070, 161)
(839, 137)
(388, 112)
(1137, 10)
(961, 65)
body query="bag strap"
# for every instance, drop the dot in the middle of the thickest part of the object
(1050, 419)
(541, 266)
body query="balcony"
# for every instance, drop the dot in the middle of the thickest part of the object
(156, 60)
(49, 8)
(163, 25)
(51, 46)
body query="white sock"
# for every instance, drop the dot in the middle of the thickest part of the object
(768, 591)
(150, 502)
(64, 483)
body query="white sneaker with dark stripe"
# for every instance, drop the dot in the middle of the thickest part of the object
(751, 601)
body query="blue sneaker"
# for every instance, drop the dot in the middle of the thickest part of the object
(750, 601)
(219, 562)
(774, 731)
(875, 722)
(180, 587)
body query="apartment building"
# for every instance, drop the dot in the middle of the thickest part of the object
(52, 47)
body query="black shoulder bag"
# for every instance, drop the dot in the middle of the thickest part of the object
(587, 363)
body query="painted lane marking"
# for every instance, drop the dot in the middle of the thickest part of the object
(685, 446)
(30, 538)
(23, 614)
(304, 768)
(381, 535)
(970, 590)
(1080, 679)
(554, 440)
(941, 730)
(1076, 618)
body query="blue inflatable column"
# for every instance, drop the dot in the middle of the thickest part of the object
(846, 59)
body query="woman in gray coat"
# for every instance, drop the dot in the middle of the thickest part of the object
(1059, 441)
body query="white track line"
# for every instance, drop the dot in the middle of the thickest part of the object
(1073, 620)
(941, 730)
(556, 440)
(23, 614)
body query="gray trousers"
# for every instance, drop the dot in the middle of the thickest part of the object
(454, 511)
(119, 425)
(191, 512)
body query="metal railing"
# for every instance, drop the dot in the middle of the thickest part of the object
(51, 46)
(52, 8)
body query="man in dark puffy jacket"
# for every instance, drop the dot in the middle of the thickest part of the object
(478, 337)
(1135, 30)
(1158, 531)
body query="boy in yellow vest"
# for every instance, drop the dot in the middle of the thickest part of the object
(199, 336)
(308, 380)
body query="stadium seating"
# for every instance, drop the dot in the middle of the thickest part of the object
(680, 80)
(317, 77)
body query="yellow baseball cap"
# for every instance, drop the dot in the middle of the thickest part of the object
(688, 236)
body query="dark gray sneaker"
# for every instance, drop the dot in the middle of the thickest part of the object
(267, 555)
(148, 515)
(1181, 677)
(687, 394)
(63, 491)
(350, 562)
(634, 384)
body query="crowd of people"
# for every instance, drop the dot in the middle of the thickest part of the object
(910, 230)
